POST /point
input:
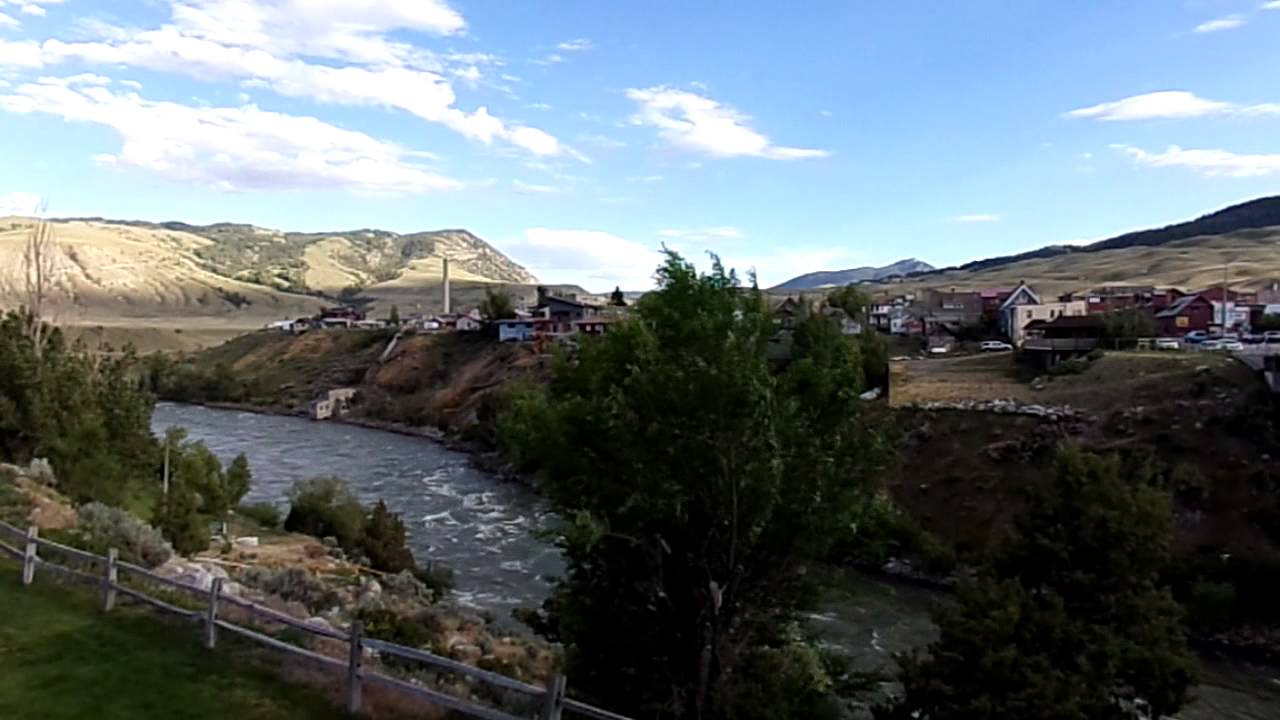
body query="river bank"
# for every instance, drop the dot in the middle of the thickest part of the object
(486, 528)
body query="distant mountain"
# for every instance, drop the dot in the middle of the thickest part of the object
(1260, 213)
(111, 272)
(330, 261)
(839, 278)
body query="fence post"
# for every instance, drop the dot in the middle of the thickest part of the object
(211, 622)
(554, 699)
(109, 582)
(354, 661)
(29, 556)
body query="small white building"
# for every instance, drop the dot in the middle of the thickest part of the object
(466, 323)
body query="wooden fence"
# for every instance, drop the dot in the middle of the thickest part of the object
(108, 579)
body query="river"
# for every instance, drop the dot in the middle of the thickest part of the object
(484, 528)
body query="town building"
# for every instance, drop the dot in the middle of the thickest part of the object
(951, 309)
(1189, 313)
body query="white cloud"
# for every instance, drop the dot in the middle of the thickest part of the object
(1229, 22)
(594, 259)
(702, 234)
(1213, 163)
(699, 124)
(1170, 104)
(538, 106)
(20, 203)
(977, 218)
(26, 7)
(229, 148)
(525, 188)
(576, 45)
(262, 44)
(552, 59)
(646, 179)
(131, 84)
(1273, 5)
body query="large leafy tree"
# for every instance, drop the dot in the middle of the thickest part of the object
(1070, 621)
(700, 481)
(84, 413)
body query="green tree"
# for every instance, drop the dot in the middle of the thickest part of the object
(1128, 324)
(393, 317)
(496, 306)
(851, 299)
(1069, 621)
(617, 299)
(180, 522)
(1267, 323)
(325, 507)
(238, 480)
(85, 413)
(700, 484)
(384, 541)
(875, 358)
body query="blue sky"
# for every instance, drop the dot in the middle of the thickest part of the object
(579, 136)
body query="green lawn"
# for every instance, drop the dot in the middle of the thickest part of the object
(60, 657)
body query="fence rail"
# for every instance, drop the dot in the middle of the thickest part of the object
(554, 705)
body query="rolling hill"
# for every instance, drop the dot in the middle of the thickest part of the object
(234, 277)
(1243, 240)
(837, 278)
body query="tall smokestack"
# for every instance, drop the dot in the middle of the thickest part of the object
(448, 304)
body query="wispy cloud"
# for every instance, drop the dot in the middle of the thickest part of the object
(1169, 104)
(596, 259)
(692, 122)
(1273, 5)
(702, 234)
(229, 148)
(1230, 22)
(977, 218)
(525, 188)
(575, 45)
(8, 21)
(20, 203)
(1212, 163)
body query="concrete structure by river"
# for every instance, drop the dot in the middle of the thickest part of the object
(483, 527)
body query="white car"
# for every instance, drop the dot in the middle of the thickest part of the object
(939, 350)
(996, 346)
(1232, 346)
(1211, 345)
(1168, 344)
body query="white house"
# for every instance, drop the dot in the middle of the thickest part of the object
(466, 323)
(1024, 307)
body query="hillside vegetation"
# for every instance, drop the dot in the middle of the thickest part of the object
(1260, 213)
(174, 275)
(1253, 257)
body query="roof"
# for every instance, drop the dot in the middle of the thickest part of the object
(1179, 306)
(565, 301)
(1068, 321)
(594, 321)
(1019, 291)
(995, 292)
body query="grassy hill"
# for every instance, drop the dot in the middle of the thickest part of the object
(1252, 255)
(154, 281)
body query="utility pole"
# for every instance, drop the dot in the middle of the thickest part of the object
(1226, 269)
(166, 464)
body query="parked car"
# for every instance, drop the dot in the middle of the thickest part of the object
(939, 350)
(1211, 345)
(1271, 337)
(1195, 337)
(1230, 345)
(1168, 344)
(996, 346)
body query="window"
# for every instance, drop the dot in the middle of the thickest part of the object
(1029, 314)
(1053, 314)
